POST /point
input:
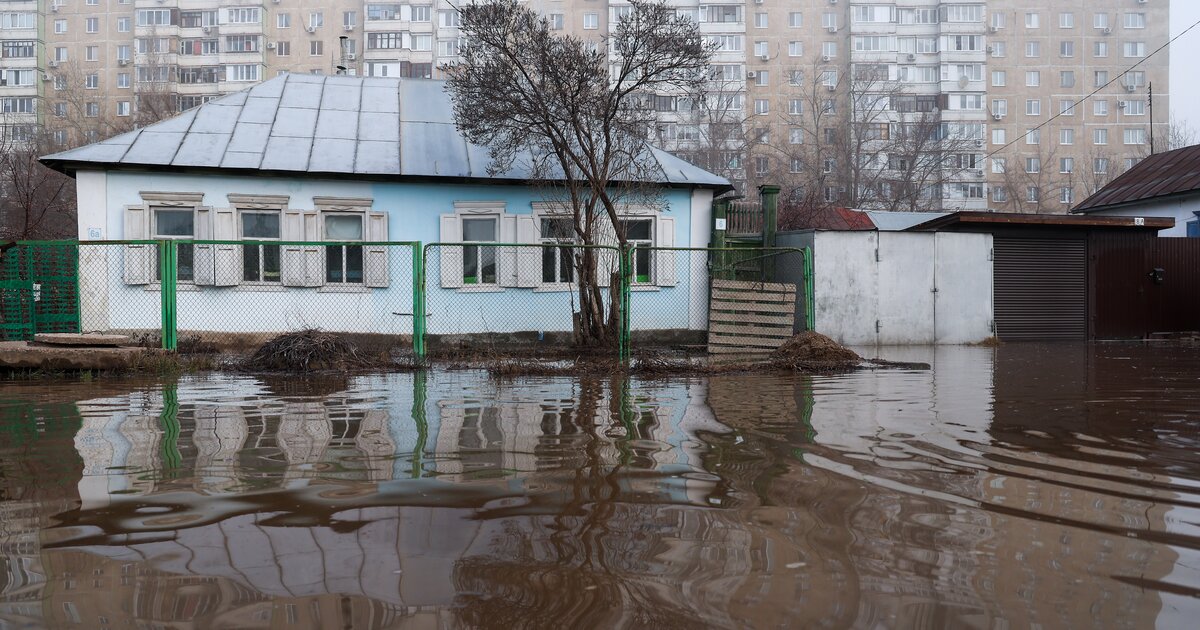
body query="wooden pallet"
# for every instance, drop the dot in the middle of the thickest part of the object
(750, 317)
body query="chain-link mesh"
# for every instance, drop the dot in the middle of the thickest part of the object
(520, 294)
(234, 295)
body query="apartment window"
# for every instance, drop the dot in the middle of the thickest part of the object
(14, 20)
(999, 49)
(829, 21)
(1100, 136)
(1033, 78)
(1133, 108)
(1100, 166)
(1033, 49)
(240, 43)
(91, 53)
(123, 108)
(1033, 194)
(999, 78)
(1135, 49)
(251, 15)
(557, 20)
(60, 109)
(1066, 79)
(1100, 107)
(795, 165)
(422, 14)
(283, 20)
(1066, 49)
(763, 78)
(21, 48)
(1033, 107)
(316, 19)
(1066, 107)
(283, 49)
(762, 165)
(1033, 136)
(449, 19)
(1031, 20)
(795, 19)
(999, 165)
(349, 19)
(316, 48)
(829, 49)
(795, 135)
(1033, 165)
(1101, 78)
(60, 26)
(1066, 165)
(91, 25)
(91, 81)
(242, 72)
(123, 24)
(1135, 136)
(92, 3)
(796, 49)
(1135, 79)
(1066, 194)
(1100, 50)
(999, 20)
(1131, 162)
(760, 20)
(60, 54)
(795, 107)
(1066, 20)
(123, 80)
(1100, 20)
(1135, 20)
(260, 263)
(999, 194)
(1000, 106)
(154, 17)
(18, 105)
(999, 136)
(422, 42)
(1066, 136)
(762, 106)
(591, 21)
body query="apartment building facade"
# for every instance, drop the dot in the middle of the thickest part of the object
(885, 104)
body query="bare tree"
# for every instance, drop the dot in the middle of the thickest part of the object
(35, 202)
(1181, 134)
(574, 114)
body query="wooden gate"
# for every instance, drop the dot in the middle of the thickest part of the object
(750, 317)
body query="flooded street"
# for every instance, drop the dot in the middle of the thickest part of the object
(1056, 485)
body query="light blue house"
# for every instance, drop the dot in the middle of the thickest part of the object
(348, 159)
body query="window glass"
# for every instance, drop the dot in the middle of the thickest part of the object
(479, 263)
(557, 261)
(343, 228)
(177, 223)
(638, 234)
(260, 263)
(343, 263)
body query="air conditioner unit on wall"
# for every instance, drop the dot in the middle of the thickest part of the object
(825, 58)
(311, 29)
(997, 116)
(349, 27)
(351, 57)
(751, 75)
(270, 45)
(912, 57)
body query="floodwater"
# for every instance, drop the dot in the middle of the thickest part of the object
(1022, 486)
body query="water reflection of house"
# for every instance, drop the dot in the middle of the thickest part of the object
(309, 501)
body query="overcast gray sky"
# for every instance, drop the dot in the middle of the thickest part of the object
(1185, 62)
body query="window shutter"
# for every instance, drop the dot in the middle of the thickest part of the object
(314, 255)
(529, 267)
(139, 259)
(375, 258)
(291, 257)
(507, 264)
(607, 261)
(664, 259)
(227, 259)
(451, 257)
(202, 273)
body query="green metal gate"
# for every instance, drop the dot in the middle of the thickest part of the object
(39, 290)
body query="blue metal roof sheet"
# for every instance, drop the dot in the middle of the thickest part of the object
(329, 125)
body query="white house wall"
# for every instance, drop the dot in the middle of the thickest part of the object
(414, 210)
(897, 288)
(1182, 209)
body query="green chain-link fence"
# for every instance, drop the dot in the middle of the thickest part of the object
(393, 297)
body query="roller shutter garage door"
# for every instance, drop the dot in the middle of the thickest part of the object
(1040, 289)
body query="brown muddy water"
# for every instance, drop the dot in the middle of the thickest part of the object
(1056, 486)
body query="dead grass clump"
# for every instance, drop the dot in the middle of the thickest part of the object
(306, 350)
(813, 347)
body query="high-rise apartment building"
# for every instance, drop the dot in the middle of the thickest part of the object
(897, 104)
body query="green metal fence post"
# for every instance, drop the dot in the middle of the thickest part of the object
(419, 302)
(810, 309)
(769, 196)
(168, 267)
(626, 267)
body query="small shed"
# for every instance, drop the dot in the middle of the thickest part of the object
(1064, 277)
(1163, 185)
